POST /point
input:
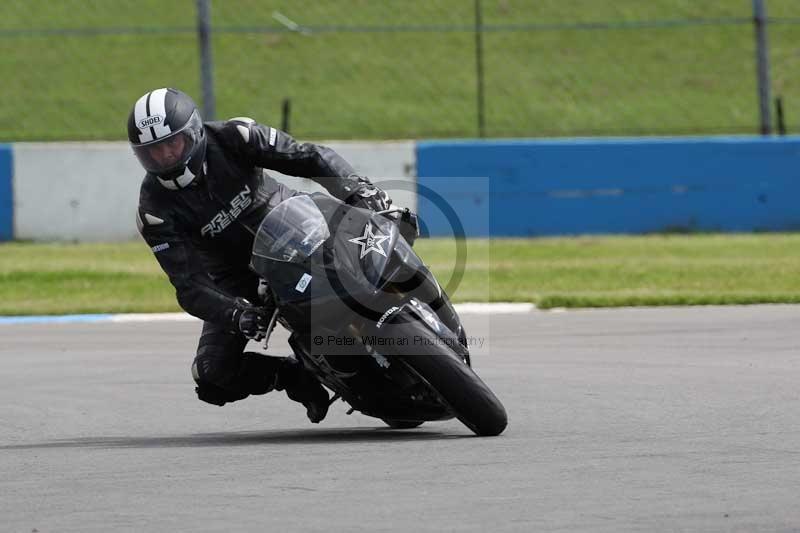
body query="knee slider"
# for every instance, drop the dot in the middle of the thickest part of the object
(228, 379)
(208, 379)
(210, 392)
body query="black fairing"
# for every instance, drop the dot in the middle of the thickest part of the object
(343, 280)
(342, 290)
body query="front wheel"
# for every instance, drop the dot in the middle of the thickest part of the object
(475, 405)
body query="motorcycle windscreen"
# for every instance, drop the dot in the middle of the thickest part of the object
(292, 231)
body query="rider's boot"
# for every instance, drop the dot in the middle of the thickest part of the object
(301, 386)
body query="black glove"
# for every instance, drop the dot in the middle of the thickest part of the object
(408, 224)
(369, 196)
(250, 321)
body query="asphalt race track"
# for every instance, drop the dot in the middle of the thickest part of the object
(672, 419)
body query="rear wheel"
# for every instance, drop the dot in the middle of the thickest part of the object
(475, 405)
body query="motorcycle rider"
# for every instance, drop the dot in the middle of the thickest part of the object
(201, 202)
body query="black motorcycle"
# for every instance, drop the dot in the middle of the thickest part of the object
(367, 317)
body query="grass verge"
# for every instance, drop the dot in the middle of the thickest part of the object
(552, 272)
(72, 69)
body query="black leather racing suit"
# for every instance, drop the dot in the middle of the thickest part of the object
(202, 236)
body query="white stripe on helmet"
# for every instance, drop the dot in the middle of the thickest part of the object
(152, 125)
(139, 114)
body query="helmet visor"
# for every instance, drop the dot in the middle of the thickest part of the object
(169, 154)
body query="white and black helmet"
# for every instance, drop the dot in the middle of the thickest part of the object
(166, 133)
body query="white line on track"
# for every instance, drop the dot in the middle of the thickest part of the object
(464, 308)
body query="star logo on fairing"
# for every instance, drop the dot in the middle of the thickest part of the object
(370, 242)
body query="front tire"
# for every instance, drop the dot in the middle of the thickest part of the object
(475, 405)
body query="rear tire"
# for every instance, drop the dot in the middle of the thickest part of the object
(475, 405)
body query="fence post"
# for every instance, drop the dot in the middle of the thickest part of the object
(206, 63)
(286, 109)
(762, 61)
(479, 66)
(779, 116)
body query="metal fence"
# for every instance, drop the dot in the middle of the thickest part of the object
(339, 69)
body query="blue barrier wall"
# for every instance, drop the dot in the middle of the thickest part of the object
(6, 193)
(580, 186)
